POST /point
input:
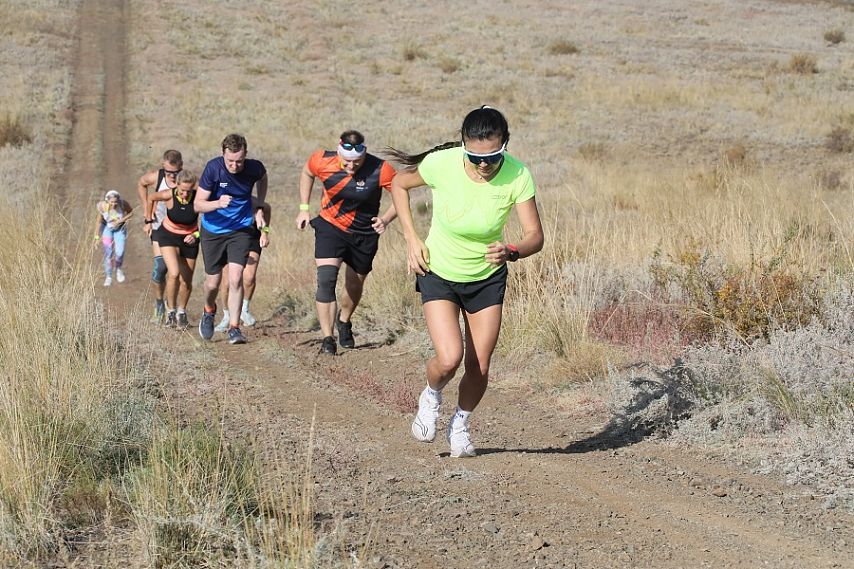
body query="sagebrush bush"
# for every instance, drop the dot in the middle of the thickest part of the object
(746, 301)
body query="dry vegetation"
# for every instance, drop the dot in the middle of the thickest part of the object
(690, 192)
(693, 203)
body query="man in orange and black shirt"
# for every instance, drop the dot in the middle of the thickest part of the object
(347, 229)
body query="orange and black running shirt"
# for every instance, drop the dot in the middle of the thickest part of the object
(350, 202)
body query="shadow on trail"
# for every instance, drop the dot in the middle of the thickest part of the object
(648, 405)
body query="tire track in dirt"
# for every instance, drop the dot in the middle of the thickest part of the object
(533, 506)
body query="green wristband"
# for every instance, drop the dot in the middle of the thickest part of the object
(303, 207)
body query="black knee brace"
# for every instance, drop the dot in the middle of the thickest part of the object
(158, 273)
(327, 277)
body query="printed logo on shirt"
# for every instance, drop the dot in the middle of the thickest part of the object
(223, 184)
(360, 186)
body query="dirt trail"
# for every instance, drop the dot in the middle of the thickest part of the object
(545, 490)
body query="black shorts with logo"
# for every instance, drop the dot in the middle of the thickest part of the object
(357, 249)
(166, 238)
(471, 297)
(220, 249)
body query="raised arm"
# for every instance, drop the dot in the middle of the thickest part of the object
(203, 204)
(418, 257)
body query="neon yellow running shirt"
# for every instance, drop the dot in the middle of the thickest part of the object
(468, 216)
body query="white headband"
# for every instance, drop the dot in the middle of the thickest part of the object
(112, 193)
(350, 154)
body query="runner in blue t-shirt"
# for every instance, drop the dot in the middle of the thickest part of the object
(225, 198)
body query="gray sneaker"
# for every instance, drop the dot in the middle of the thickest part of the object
(170, 319)
(182, 322)
(206, 324)
(235, 336)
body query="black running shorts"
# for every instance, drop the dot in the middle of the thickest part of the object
(471, 297)
(358, 250)
(255, 243)
(168, 239)
(220, 249)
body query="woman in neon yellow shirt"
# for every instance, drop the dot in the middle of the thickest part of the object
(462, 264)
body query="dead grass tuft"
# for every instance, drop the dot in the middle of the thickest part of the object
(449, 65)
(834, 37)
(13, 132)
(802, 64)
(840, 140)
(563, 47)
(412, 52)
(593, 151)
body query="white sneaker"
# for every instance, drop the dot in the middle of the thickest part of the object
(246, 317)
(460, 441)
(108, 281)
(424, 424)
(120, 275)
(223, 324)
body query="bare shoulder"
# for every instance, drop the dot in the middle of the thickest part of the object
(149, 178)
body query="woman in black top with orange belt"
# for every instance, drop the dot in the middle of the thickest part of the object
(179, 244)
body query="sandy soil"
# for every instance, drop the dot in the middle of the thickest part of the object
(548, 489)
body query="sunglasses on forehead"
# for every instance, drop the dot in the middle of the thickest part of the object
(356, 147)
(490, 158)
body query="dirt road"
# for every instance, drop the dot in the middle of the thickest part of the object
(547, 489)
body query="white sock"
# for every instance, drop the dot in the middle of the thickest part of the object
(435, 394)
(225, 314)
(460, 419)
(182, 311)
(245, 305)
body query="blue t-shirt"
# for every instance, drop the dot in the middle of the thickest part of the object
(219, 181)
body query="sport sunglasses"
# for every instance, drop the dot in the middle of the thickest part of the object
(491, 158)
(356, 147)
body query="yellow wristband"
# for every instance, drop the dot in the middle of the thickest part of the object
(196, 234)
(303, 207)
(266, 229)
(97, 237)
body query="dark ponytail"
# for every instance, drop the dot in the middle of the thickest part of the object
(401, 157)
(480, 124)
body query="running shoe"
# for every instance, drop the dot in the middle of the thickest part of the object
(328, 346)
(223, 324)
(170, 319)
(424, 424)
(159, 311)
(120, 275)
(206, 324)
(183, 323)
(246, 317)
(460, 441)
(108, 281)
(235, 336)
(345, 334)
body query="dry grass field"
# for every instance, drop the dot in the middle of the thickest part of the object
(694, 172)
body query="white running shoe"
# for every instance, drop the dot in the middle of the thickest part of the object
(246, 317)
(424, 424)
(223, 324)
(120, 275)
(460, 441)
(108, 281)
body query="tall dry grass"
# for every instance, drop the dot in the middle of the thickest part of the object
(67, 419)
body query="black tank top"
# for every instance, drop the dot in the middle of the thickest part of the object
(182, 214)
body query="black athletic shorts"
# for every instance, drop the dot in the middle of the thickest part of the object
(255, 244)
(471, 297)
(168, 239)
(220, 249)
(358, 250)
